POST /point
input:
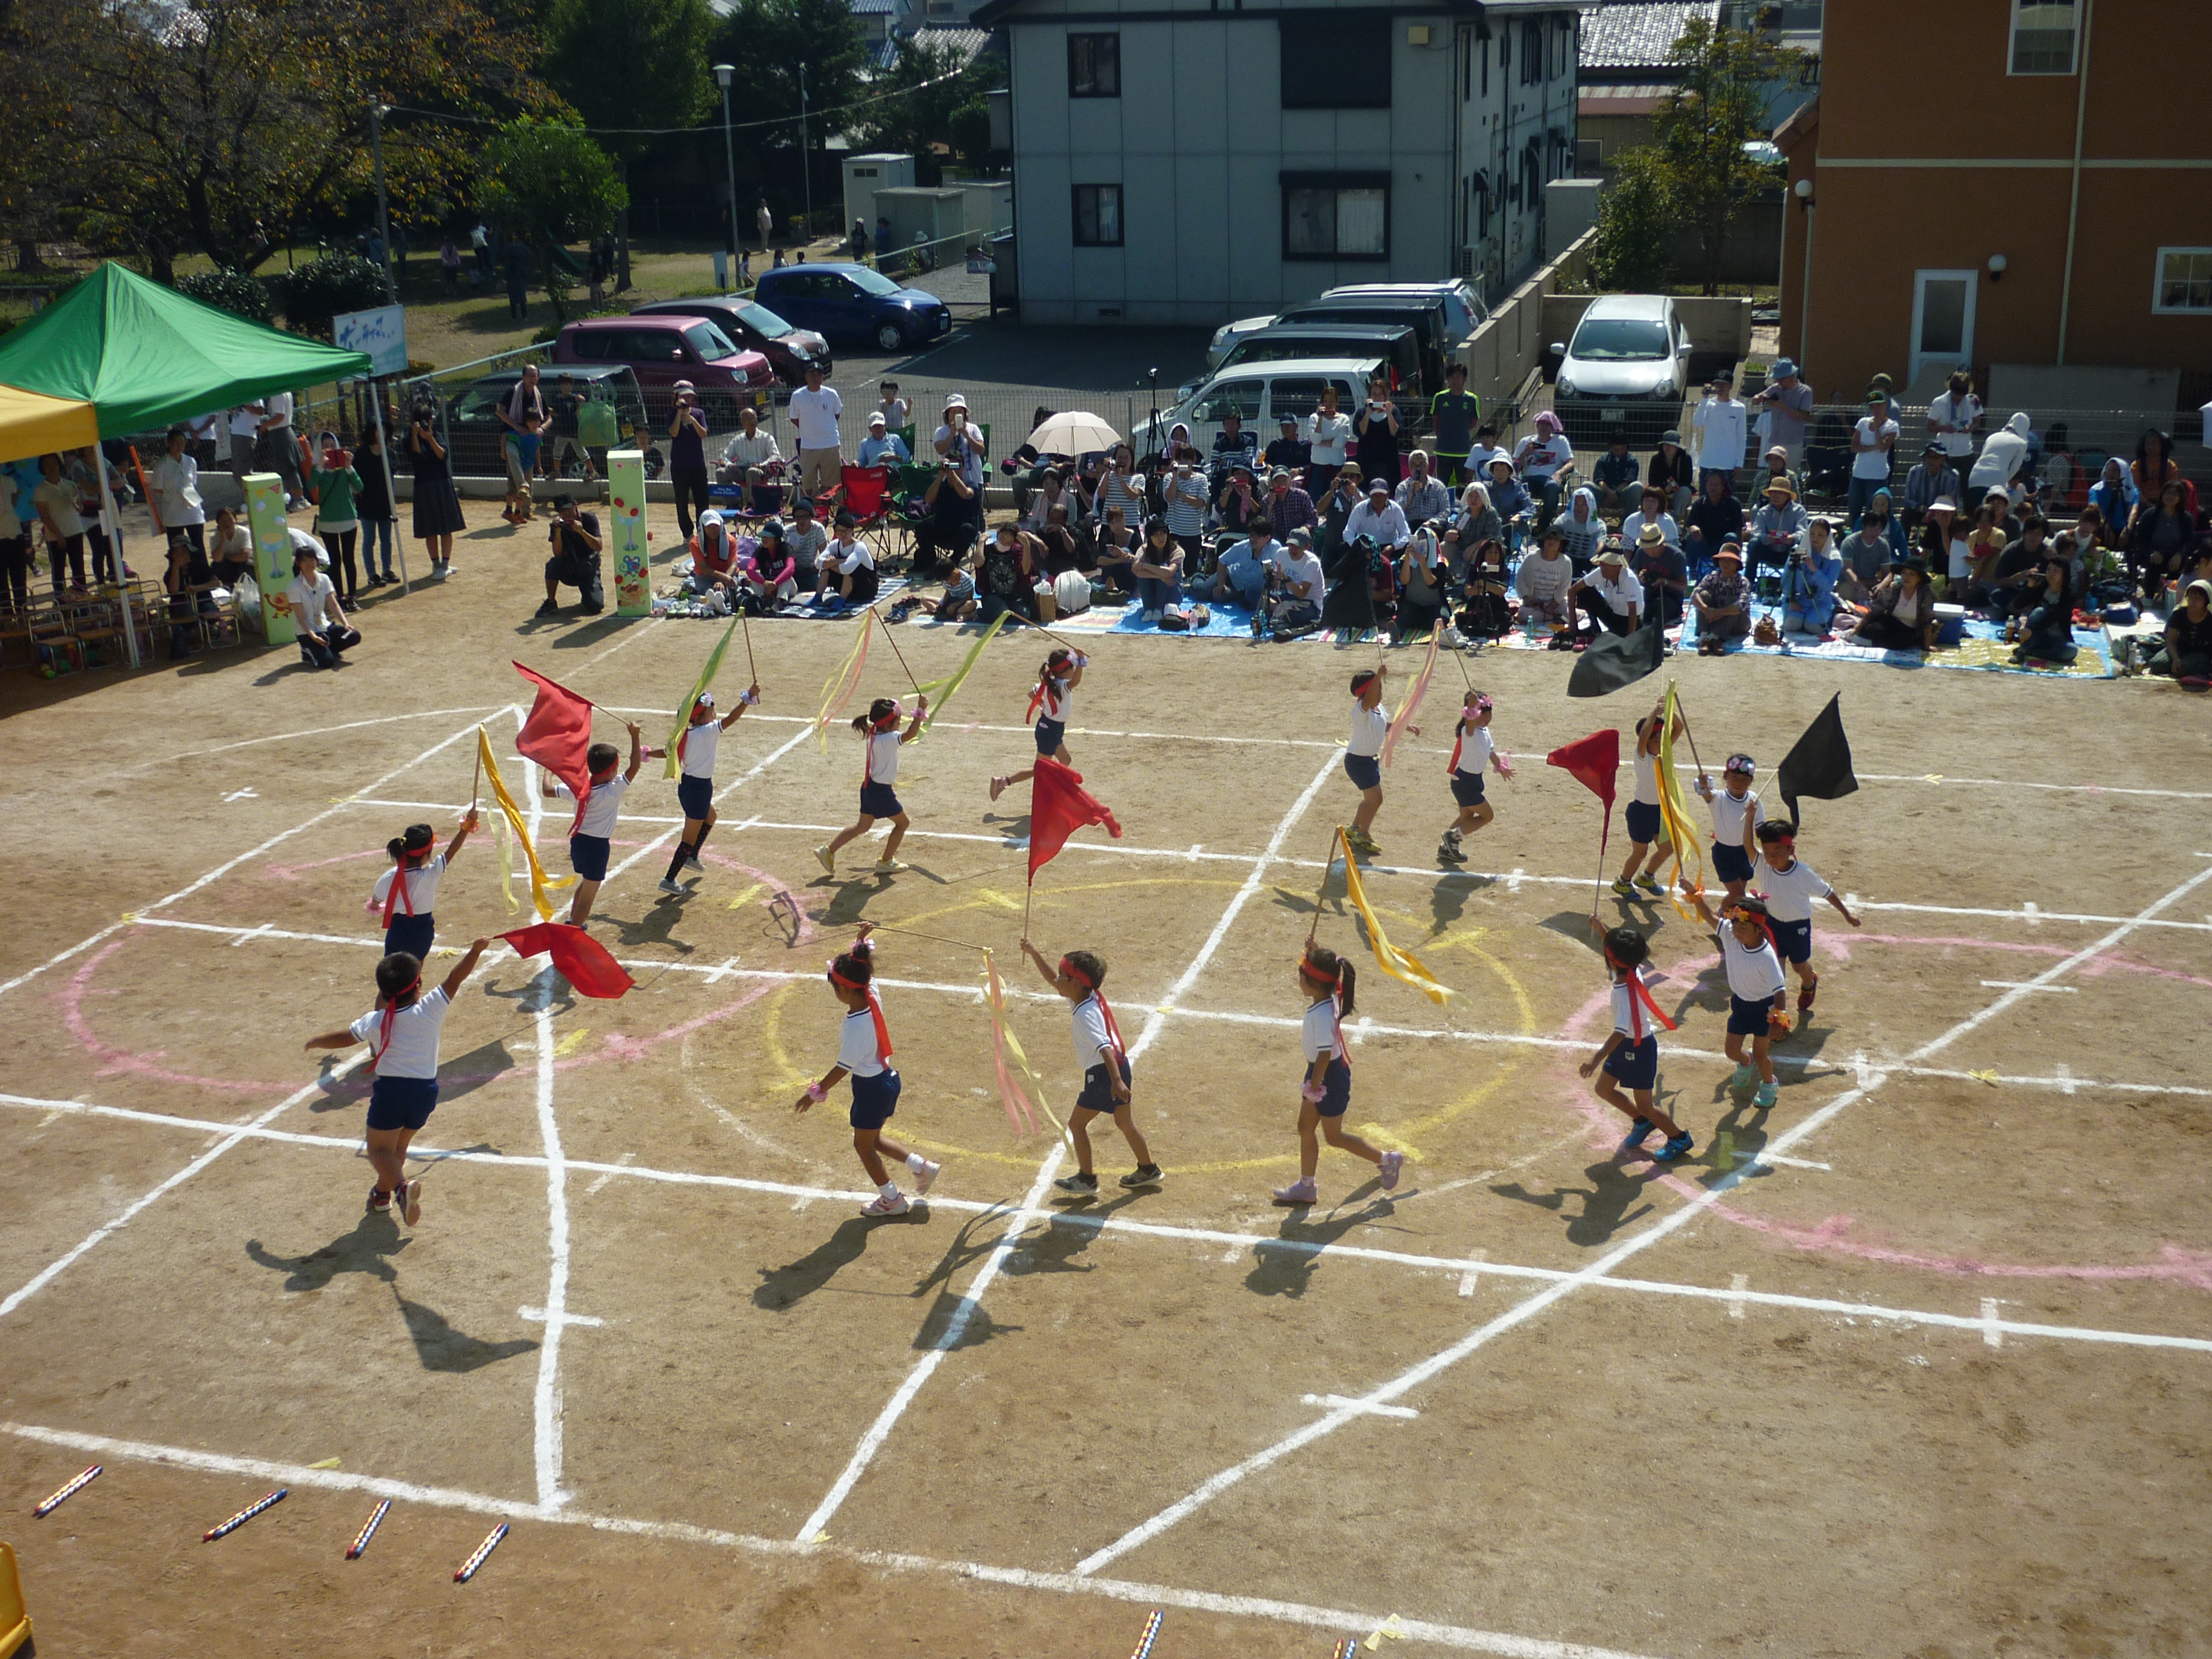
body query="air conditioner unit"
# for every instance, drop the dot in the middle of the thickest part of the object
(1464, 261)
(1423, 35)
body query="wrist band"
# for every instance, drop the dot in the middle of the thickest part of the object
(817, 1093)
(748, 697)
(1313, 1092)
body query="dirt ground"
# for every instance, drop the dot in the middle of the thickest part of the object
(1915, 1364)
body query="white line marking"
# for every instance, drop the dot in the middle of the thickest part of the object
(1788, 1162)
(2026, 985)
(2066, 1083)
(593, 1190)
(1337, 1402)
(311, 732)
(252, 933)
(536, 1316)
(242, 794)
(546, 1412)
(738, 782)
(1738, 1283)
(1992, 1328)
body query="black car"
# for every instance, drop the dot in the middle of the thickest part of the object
(474, 431)
(753, 327)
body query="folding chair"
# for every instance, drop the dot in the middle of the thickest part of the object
(865, 491)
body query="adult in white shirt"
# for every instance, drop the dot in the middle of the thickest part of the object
(1953, 417)
(245, 440)
(1328, 431)
(1380, 517)
(280, 448)
(1719, 431)
(2002, 458)
(1610, 595)
(1546, 581)
(1652, 511)
(747, 457)
(814, 411)
(1297, 581)
(846, 573)
(1874, 448)
(201, 434)
(176, 484)
(1545, 460)
(324, 629)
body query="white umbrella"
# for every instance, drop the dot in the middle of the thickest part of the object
(1073, 433)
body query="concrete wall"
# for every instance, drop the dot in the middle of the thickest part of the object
(1507, 348)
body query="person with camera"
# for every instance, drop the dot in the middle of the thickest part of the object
(687, 456)
(960, 441)
(1378, 428)
(574, 539)
(437, 507)
(950, 513)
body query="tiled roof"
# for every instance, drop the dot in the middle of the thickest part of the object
(1637, 34)
(968, 42)
(873, 8)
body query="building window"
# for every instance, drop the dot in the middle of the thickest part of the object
(1336, 215)
(1589, 157)
(2043, 35)
(1099, 215)
(1336, 60)
(1094, 66)
(2184, 280)
(1531, 54)
(1482, 51)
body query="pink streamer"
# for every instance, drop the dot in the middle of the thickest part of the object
(1020, 1111)
(1413, 695)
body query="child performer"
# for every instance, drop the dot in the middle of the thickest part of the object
(592, 839)
(1789, 886)
(1735, 810)
(406, 892)
(1055, 694)
(880, 726)
(1756, 988)
(1472, 750)
(1106, 1077)
(1630, 1058)
(402, 1031)
(1327, 1089)
(1647, 829)
(1362, 754)
(864, 1052)
(695, 785)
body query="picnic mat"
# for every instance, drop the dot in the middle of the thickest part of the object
(1983, 648)
(679, 603)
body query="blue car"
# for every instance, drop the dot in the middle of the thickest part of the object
(849, 301)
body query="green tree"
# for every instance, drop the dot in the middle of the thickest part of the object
(327, 287)
(1702, 127)
(1629, 256)
(924, 91)
(549, 184)
(770, 43)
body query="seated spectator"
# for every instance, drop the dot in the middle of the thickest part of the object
(2185, 651)
(1475, 523)
(1344, 493)
(1868, 554)
(1545, 461)
(1808, 581)
(1716, 518)
(1241, 574)
(1901, 616)
(230, 549)
(1158, 570)
(1545, 582)
(1010, 578)
(882, 446)
(1486, 449)
(772, 582)
(1379, 517)
(2018, 567)
(1723, 602)
(1234, 446)
(1775, 466)
(1933, 480)
(957, 603)
(1985, 545)
(1672, 472)
(1583, 531)
(1943, 543)
(1661, 569)
(2161, 538)
(573, 539)
(1422, 581)
(748, 461)
(1289, 506)
(1297, 585)
(714, 557)
(1881, 508)
(2056, 477)
(1114, 550)
(1610, 595)
(2045, 634)
(313, 604)
(2006, 517)
(1617, 478)
(1238, 503)
(805, 537)
(1421, 496)
(1652, 510)
(847, 576)
(1486, 614)
(946, 530)
(1778, 526)
(1052, 491)
(2114, 497)
(1289, 451)
(1512, 502)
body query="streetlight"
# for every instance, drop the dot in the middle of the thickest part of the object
(723, 73)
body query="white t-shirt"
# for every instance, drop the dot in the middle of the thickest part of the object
(601, 807)
(1630, 1017)
(700, 742)
(245, 422)
(1058, 702)
(420, 894)
(1754, 972)
(1295, 566)
(279, 407)
(884, 757)
(1647, 779)
(817, 413)
(1790, 892)
(859, 557)
(1369, 727)
(1091, 1034)
(1730, 813)
(1961, 413)
(311, 605)
(201, 429)
(1318, 1033)
(856, 1045)
(1328, 434)
(1719, 431)
(177, 480)
(1475, 749)
(414, 1050)
(58, 498)
(1541, 459)
(1621, 594)
(1873, 463)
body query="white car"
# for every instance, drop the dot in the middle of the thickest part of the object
(1626, 368)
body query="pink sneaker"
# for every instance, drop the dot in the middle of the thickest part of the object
(1392, 1162)
(998, 787)
(894, 1205)
(1302, 1191)
(926, 1176)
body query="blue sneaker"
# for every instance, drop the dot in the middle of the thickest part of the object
(1636, 1132)
(1767, 1095)
(1741, 1075)
(1677, 1147)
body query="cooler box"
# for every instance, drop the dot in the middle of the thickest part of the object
(1950, 624)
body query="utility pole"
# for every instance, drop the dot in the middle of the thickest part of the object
(805, 159)
(724, 73)
(383, 220)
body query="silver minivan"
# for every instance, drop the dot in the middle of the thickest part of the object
(1624, 371)
(1260, 395)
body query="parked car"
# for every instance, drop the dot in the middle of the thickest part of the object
(1440, 314)
(853, 302)
(662, 350)
(1625, 372)
(474, 430)
(1395, 344)
(1226, 336)
(1261, 394)
(752, 327)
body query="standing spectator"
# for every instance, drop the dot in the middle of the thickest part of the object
(515, 255)
(526, 397)
(1183, 507)
(1289, 507)
(437, 508)
(85, 468)
(2055, 478)
(1378, 428)
(1787, 404)
(337, 519)
(1289, 451)
(1616, 478)
(1545, 460)
(378, 522)
(565, 431)
(883, 238)
(1719, 431)
(1328, 439)
(1933, 480)
(597, 269)
(2001, 457)
(279, 447)
(687, 455)
(480, 246)
(894, 408)
(1651, 513)
(1452, 415)
(1716, 519)
(1422, 495)
(1873, 443)
(766, 222)
(1121, 485)
(960, 440)
(1659, 566)
(203, 434)
(449, 264)
(1953, 418)
(1879, 391)
(1723, 602)
(860, 240)
(519, 449)
(815, 409)
(14, 549)
(56, 502)
(1673, 472)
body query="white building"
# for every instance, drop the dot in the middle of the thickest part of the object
(1195, 161)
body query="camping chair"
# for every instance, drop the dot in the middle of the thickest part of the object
(865, 491)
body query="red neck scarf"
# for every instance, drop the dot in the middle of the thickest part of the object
(1639, 998)
(1113, 1031)
(398, 893)
(684, 737)
(875, 1008)
(384, 1025)
(1038, 697)
(1459, 737)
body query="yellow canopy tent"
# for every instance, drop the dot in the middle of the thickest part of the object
(32, 424)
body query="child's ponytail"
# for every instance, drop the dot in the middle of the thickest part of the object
(1328, 972)
(855, 968)
(883, 714)
(417, 841)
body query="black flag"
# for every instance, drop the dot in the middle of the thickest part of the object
(1819, 764)
(1617, 659)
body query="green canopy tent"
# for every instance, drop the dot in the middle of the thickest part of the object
(145, 355)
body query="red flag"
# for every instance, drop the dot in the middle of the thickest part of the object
(580, 959)
(1593, 761)
(557, 736)
(1058, 807)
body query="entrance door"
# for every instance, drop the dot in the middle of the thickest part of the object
(1943, 318)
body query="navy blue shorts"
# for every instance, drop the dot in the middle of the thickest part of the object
(694, 795)
(587, 856)
(1336, 1087)
(402, 1103)
(1098, 1094)
(1050, 734)
(877, 801)
(1644, 823)
(1365, 770)
(1747, 1018)
(1731, 863)
(1467, 788)
(412, 934)
(874, 1099)
(1794, 939)
(1636, 1065)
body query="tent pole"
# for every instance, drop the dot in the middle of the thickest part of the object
(384, 455)
(114, 528)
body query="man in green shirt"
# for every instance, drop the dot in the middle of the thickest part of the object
(1453, 413)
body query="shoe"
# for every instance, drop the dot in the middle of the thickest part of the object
(1298, 1192)
(926, 1177)
(549, 609)
(1677, 1147)
(1392, 1164)
(1448, 853)
(668, 885)
(1084, 1184)
(1626, 889)
(998, 787)
(1637, 1134)
(1766, 1096)
(1144, 1175)
(826, 859)
(1454, 836)
(1650, 886)
(408, 1201)
(894, 1205)
(1741, 1075)
(379, 1201)
(889, 866)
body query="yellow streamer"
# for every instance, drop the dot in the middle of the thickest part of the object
(540, 883)
(838, 689)
(943, 690)
(1400, 966)
(1008, 1045)
(706, 678)
(1675, 810)
(504, 839)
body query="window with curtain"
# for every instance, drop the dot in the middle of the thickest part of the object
(1094, 66)
(2184, 280)
(2043, 37)
(1099, 215)
(1336, 215)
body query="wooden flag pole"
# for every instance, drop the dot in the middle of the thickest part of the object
(1321, 887)
(750, 664)
(476, 784)
(915, 932)
(900, 654)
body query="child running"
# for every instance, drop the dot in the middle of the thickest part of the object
(1735, 810)
(1647, 828)
(406, 892)
(402, 1031)
(1326, 1090)
(1055, 697)
(864, 1053)
(880, 726)
(1472, 750)
(1756, 989)
(1363, 756)
(1630, 1058)
(1106, 1076)
(695, 785)
(592, 839)
(1789, 886)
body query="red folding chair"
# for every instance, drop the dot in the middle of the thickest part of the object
(866, 491)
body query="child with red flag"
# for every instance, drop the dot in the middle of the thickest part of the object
(1325, 1093)
(1630, 1056)
(591, 838)
(1106, 1076)
(864, 1053)
(1473, 752)
(1061, 673)
(879, 726)
(406, 892)
(1757, 989)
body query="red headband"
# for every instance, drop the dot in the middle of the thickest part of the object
(1113, 1029)
(884, 723)
(1334, 983)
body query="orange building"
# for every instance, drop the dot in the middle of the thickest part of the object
(2001, 182)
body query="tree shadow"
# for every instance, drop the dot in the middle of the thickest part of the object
(365, 1248)
(1284, 1264)
(1606, 1205)
(442, 1348)
(792, 1283)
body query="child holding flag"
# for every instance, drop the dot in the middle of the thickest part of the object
(406, 892)
(403, 1030)
(1756, 988)
(1630, 1056)
(1647, 828)
(879, 726)
(1363, 756)
(1061, 673)
(694, 786)
(1331, 983)
(1735, 810)
(864, 1052)
(1472, 750)
(1789, 886)
(1106, 1076)
(592, 839)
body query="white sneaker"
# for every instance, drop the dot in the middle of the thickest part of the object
(409, 1202)
(668, 885)
(888, 867)
(926, 1177)
(826, 859)
(894, 1205)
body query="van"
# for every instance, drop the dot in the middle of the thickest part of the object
(1442, 315)
(474, 432)
(1625, 372)
(1394, 343)
(1261, 394)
